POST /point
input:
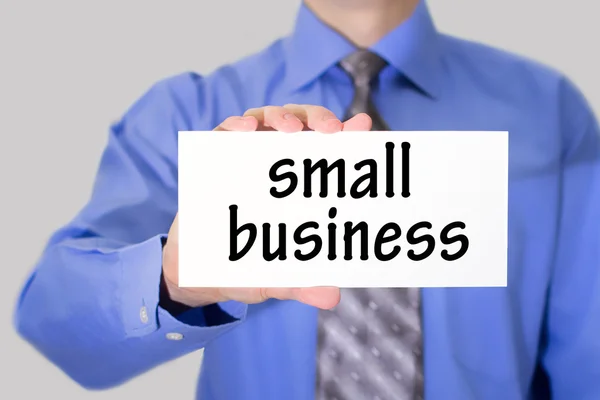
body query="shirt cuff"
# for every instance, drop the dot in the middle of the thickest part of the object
(141, 270)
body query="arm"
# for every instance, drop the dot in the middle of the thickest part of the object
(91, 306)
(100, 303)
(572, 354)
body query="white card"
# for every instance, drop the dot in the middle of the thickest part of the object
(401, 209)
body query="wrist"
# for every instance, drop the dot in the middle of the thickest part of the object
(169, 302)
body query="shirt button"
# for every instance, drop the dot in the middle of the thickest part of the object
(174, 336)
(144, 314)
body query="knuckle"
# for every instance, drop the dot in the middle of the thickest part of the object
(263, 294)
(269, 111)
(251, 112)
(229, 120)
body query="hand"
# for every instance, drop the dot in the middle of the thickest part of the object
(293, 118)
(289, 118)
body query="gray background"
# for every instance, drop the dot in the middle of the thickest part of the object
(69, 68)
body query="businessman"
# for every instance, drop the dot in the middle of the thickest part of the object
(103, 302)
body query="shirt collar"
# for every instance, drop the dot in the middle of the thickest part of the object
(413, 48)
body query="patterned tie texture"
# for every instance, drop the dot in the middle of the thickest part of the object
(370, 345)
(363, 67)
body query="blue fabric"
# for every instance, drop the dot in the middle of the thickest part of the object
(81, 306)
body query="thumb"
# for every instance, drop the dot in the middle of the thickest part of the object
(320, 297)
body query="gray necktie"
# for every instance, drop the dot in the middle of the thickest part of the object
(363, 67)
(369, 346)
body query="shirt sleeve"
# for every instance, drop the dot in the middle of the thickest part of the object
(571, 355)
(91, 304)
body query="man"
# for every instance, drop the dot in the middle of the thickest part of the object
(103, 303)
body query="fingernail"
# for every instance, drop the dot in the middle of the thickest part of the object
(329, 117)
(289, 116)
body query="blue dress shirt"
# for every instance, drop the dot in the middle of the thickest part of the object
(92, 307)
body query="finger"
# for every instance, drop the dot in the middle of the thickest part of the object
(282, 119)
(243, 124)
(320, 297)
(316, 118)
(360, 122)
(300, 113)
(276, 118)
(259, 115)
(256, 295)
(322, 120)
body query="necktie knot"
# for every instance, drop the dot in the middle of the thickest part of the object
(363, 66)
